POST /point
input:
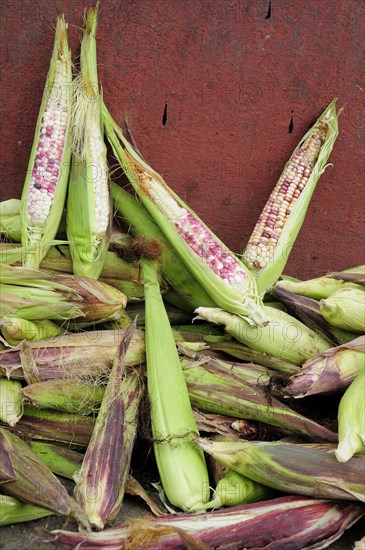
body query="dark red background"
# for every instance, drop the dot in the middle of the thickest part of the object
(231, 78)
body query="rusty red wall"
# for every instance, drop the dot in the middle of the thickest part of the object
(232, 75)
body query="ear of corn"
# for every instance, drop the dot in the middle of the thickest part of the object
(60, 460)
(215, 389)
(279, 224)
(11, 403)
(284, 337)
(82, 355)
(10, 219)
(34, 483)
(345, 309)
(13, 511)
(176, 274)
(88, 202)
(48, 169)
(225, 279)
(286, 522)
(331, 371)
(15, 329)
(100, 483)
(45, 425)
(308, 311)
(180, 463)
(292, 468)
(351, 419)
(235, 489)
(323, 287)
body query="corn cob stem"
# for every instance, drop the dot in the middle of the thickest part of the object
(47, 176)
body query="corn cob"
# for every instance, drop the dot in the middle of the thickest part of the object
(60, 460)
(45, 185)
(235, 489)
(351, 419)
(215, 389)
(323, 287)
(13, 511)
(10, 219)
(45, 425)
(11, 406)
(100, 483)
(176, 274)
(181, 465)
(284, 337)
(88, 202)
(331, 371)
(15, 329)
(34, 483)
(225, 279)
(36, 295)
(269, 246)
(292, 468)
(308, 311)
(71, 396)
(287, 522)
(83, 355)
(345, 309)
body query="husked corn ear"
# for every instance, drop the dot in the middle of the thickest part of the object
(331, 371)
(180, 463)
(89, 202)
(345, 309)
(284, 337)
(13, 510)
(279, 223)
(225, 279)
(11, 402)
(292, 468)
(351, 419)
(45, 185)
(10, 219)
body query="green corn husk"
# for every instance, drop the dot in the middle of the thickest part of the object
(10, 219)
(60, 460)
(221, 389)
(89, 212)
(331, 371)
(292, 468)
(287, 522)
(34, 483)
(13, 511)
(267, 276)
(15, 330)
(243, 298)
(176, 274)
(345, 309)
(351, 419)
(45, 425)
(176, 316)
(235, 489)
(37, 239)
(307, 310)
(180, 464)
(284, 337)
(71, 396)
(11, 406)
(82, 355)
(322, 287)
(100, 483)
(36, 295)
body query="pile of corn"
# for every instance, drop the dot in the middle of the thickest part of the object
(99, 349)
